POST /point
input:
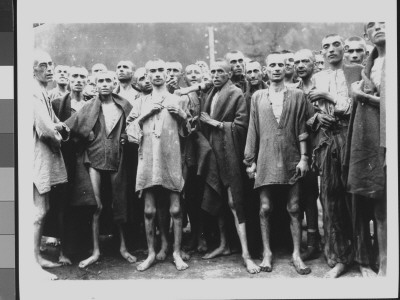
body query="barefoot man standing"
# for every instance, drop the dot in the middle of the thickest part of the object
(156, 122)
(48, 165)
(276, 154)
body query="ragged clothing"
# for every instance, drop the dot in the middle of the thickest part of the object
(227, 145)
(160, 161)
(329, 157)
(104, 151)
(48, 162)
(365, 158)
(273, 146)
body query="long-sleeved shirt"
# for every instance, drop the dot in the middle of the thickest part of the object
(48, 164)
(273, 146)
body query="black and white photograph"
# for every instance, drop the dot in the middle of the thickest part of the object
(202, 151)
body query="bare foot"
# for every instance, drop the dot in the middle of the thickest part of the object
(179, 263)
(336, 271)
(92, 259)
(62, 259)
(147, 263)
(44, 263)
(299, 265)
(251, 267)
(129, 257)
(331, 263)
(366, 271)
(162, 254)
(220, 251)
(266, 264)
(185, 256)
(202, 245)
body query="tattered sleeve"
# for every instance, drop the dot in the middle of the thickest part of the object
(44, 125)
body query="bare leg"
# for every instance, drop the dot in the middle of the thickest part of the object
(95, 179)
(201, 240)
(176, 215)
(265, 211)
(311, 211)
(251, 267)
(163, 223)
(295, 227)
(63, 259)
(122, 249)
(380, 217)
(149, 214)
(223, 248)
(41, 204)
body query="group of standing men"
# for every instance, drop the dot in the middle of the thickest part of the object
(195, 145)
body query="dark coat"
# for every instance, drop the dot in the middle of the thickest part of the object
(364, 156)
(250, 90)
(81, 124)
(227, 144)
(80, 187)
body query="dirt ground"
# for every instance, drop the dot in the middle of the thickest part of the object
(112, 266)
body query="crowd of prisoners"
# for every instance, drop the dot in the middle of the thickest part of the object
(170, 146)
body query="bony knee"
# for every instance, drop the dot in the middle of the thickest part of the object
(293, 209)
(149, 212)
(175, 211)
(265, 208)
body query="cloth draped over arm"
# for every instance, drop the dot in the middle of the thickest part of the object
(228, 144)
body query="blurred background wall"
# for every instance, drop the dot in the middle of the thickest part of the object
(87, 44)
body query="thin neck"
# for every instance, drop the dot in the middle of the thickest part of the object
(277, 86)
(77, 96)
(105, 99)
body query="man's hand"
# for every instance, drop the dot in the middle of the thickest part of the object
(60, 127)
(326, 120)
(194, 123)
(176, 111)
(357, 92)
(123, 138)
(157, 107)
(172, 83)
(316, 94)
(302, 166)
(251, 171)
(205, 118)
(63, 130)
